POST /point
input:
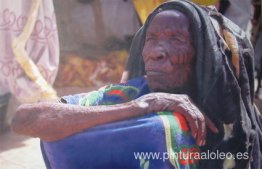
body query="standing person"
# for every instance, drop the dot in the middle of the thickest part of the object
(42, 48)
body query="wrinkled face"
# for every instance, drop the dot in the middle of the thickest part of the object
(168, 52)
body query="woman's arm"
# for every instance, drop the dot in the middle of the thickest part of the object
(53, 121)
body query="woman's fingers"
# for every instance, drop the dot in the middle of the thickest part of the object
(191, 118)
(201, 135)
(198, 127)
(196, 120)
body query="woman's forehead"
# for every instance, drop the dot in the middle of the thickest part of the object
(169, 18)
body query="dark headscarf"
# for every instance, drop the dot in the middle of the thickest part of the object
(224, 88)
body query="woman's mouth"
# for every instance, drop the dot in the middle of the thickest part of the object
(153, 73)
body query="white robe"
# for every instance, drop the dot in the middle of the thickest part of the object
(42, 46)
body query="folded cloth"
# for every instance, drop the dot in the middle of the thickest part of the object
(157, 140)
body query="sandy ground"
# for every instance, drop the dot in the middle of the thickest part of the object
(21, 152)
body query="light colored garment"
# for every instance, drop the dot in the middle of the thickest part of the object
(240, 12)
(42, 46)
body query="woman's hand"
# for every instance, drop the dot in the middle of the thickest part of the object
(155, 102)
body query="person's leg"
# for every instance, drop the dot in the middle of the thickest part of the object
(3, 111)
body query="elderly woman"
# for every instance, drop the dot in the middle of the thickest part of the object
(178, 54)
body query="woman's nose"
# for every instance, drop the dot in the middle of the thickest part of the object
(157, 53)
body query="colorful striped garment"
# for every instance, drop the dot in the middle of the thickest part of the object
(158, 140)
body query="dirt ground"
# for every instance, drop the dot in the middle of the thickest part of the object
(21, 152)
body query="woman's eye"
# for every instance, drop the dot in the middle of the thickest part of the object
(177, 39)
(149, 39)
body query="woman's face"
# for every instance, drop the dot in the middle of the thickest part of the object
(168, 51)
